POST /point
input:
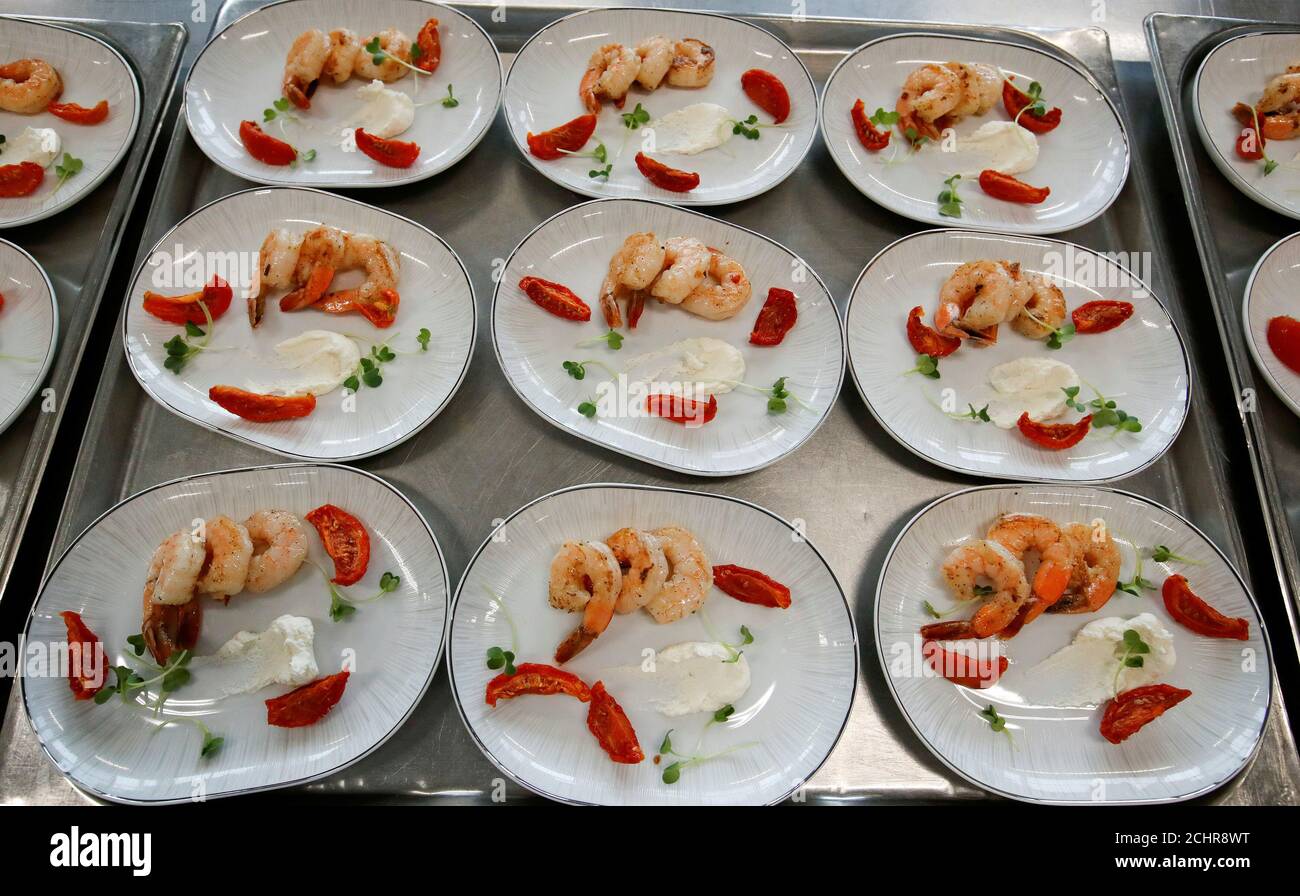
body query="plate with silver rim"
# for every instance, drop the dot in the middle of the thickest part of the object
(1268, 297)
(29, 330)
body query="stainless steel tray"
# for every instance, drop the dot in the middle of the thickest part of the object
(1241, 233)
(77, 247)
(487, 454)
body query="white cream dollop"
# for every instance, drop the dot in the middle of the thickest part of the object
(1084, 673)
(1029, 385)
(692, 129)
(387, 112)
(696, 676)
(39, 145)
(703, 363)
(283, 654)
(1000, 145)
(321, 360)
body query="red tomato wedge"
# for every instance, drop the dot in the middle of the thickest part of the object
(555, 298)
(536, 678)
(1100, 315)
(1190, 611)
(1283, 336)
(180, 310)
(568, 137)
(664, 177)
(20, 180)
(1008, 189)
(1129, 711)
(87, 661)
(262, 408)
(346, 541)
(430, 47)
(308, 704)
(767, 92)
(1250, 142)
(775, 318)
(926, 340)
(393, 153)
(686, 411)
(871, 137)
(1014, 99)
(964, 670)
(79, 114)
(607, 721)
(751, 586)
(1054, 436)
(263, 147)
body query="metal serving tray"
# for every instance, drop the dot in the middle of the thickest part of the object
(1242, 232)
(487, 454)
(77, 247)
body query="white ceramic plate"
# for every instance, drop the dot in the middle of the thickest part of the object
(574, 248)
(239, 74)
(1055, 753)
(803, 662)
(1269, 295)
(91, 71)
(1084, 161)
(29, 330)
(224, 237)
(394, 644)
(1141, 364)
(1234, 72)
(542, 93)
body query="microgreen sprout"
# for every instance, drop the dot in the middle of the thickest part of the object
(180, 349)
(1161, 554)
(634, 119)
(1130, 653)
(587, 409)
(975, 415)
(1270, 165)
(66, 169)
(937, 614)
(614, 339)
(378, 55)
(749, 128)
(449, 101)
(949, 201)
(1104, 411)
(370, 368)
(926, 365)
(501, 659)
(1037, 106)
(343, 606)
(128, 684)
(996, 722)
(672, 773)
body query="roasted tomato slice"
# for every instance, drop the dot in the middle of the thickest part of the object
(751, 586)
(1008, 189)
(262, 408)
(925, 339)
(1014, 99)
(1192, 612)
(1250, 142)
(1100, 315)
(1284, 339)
(79, 114)
(555, 298)
(263, 147)
(180, 310)
(346, 541)
(308, 704)
(393, 153)
(607, 721)
(775, 318)
(767, 92)
(686, 411)
(666, 178)
(1129, 711)
(1054, 436)
(21, 179)
(871, 137)
(87, 662)
(956, 630)
(536, 678)
(430, 47)
(959, 668)
(568, 137)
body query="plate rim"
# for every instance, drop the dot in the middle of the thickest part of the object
(50, 350)
(647, 487)
(406, 717)
(1292, 403)
(712, 474)
(132, 132)
(1009, 477)
(969, 778)
(1066, 59)
(342, 184)
(306, 458)
(685, 201)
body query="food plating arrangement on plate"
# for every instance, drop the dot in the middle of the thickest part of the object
(562, 399)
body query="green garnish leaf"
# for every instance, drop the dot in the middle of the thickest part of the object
(587, 409)
(449, 101)
(672, 773)
(423, 338)
(990, 715)
(667, 745)
(575, 369)
(634, 119)
(723, 714)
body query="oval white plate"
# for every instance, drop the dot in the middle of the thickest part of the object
(803, 662)
(239, 73)
(542, 93)
(1268, 295)
(574, 248)
(1142, 364)
(1236, 71)
(436, 293)
(394, 643)
(91, 71)
(29, 330)
(1059, 756)
(1085, 160)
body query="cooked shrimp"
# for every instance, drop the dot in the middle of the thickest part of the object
(634, 267)
(1095, 579)
(1043, 313)
(932, 91)
(610, 73)
(725, 295)
(276, 262)
(172, 616)
(396, 46)
(382, 266)
(1022, 288)
(569, 589)
(656, 57)
(974, 298)
(603, 580)
(1281, 92)
(970, 565)
(345, 50)
(1023, 533)
(981, 88)
(228, 552)
(644, 567)
(27, 86)
(687, 261)
(689, 576)
(321, 253)
(692, 64)
(303, 66)
(279, 547)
